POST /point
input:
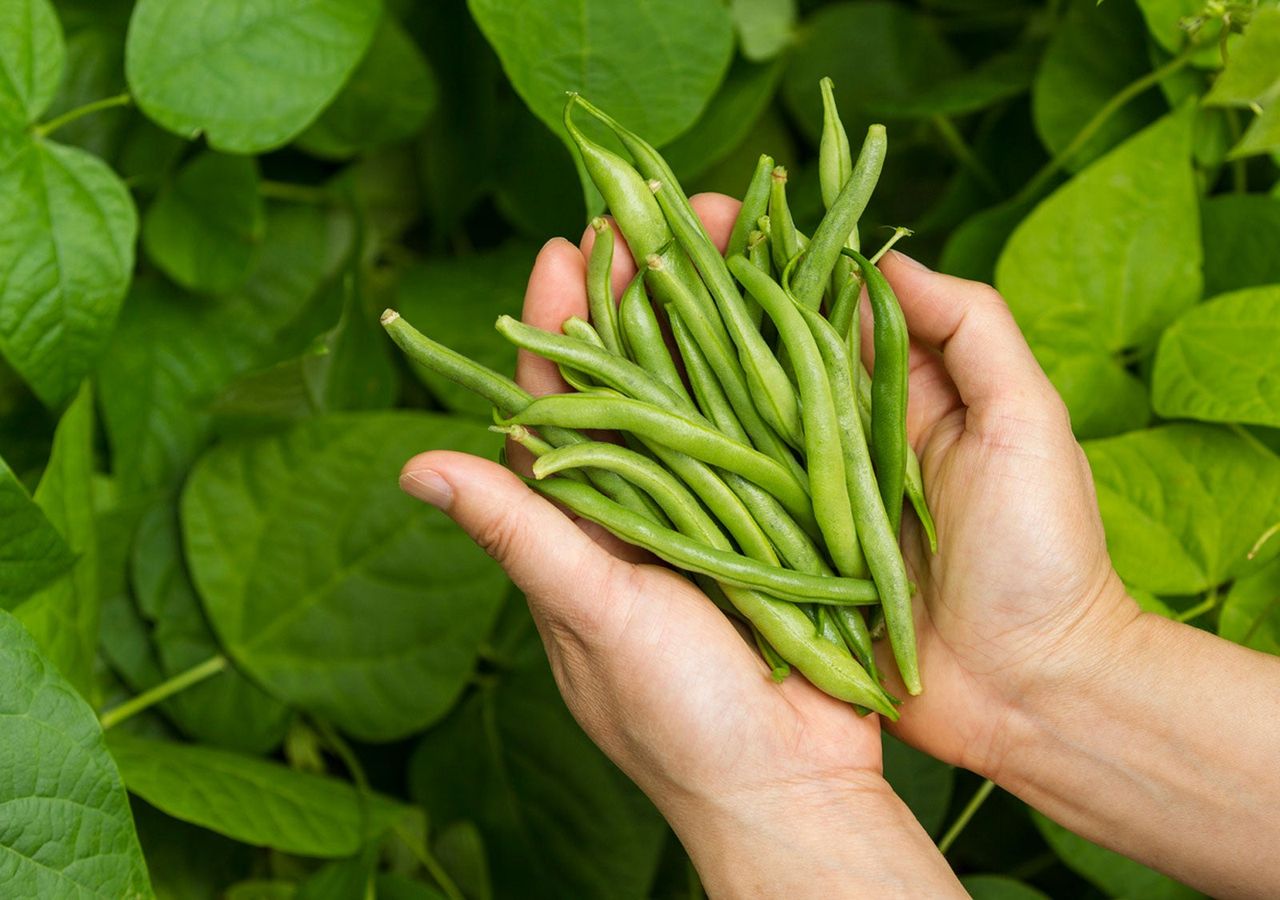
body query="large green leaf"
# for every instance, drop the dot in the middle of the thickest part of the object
(252, 800)
(66, 239)
(923, 783)
(205, 226)
(998, 887)
(63, 617)
(32, 551)
(1239, 241)
(653, 64)
(1183, 504)
(68, 831)
(251, 74)
(1219, 361)
(387, 99)
(1251, 613)
(1115, 251)
(31, 58)
(559, 819)
(327, 584)
(1096, 50)
(1115, 874)
(1251, 79)
(456, 302)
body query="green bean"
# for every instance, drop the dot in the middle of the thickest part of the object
(888, 388)
(778, 667)
(855, 635)
(822, 441)
(535, 445)
(696, 555)
(844, 311)
(644, 341)
(582, 330)
(505, 395)
(758, 252)
(674, 429)
(604, 314)
(754, 203)
(879, 537)
(776, 400)
(814, 272)
(835, 158)
(707, 391)
(783, 241)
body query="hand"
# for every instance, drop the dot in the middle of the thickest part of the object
(771, 787)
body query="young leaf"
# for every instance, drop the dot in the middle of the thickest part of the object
(31, 55)
(1251, 79)
(67, 240)
(250, 75)
(1115, 874)
(1177, 518)
(32, 551)
(1116, 250)
(326, 584)
(387, 99)
(1218, 361)
(1251, 612)
(204, 227)
(252, 800)
(68, 831)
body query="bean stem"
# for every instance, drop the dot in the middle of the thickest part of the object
(163, 691)
(48, 128)
(964, 154)
(971, 808)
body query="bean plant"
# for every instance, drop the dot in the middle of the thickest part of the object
(235, 661)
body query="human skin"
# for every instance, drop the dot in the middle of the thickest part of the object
(1039, 671)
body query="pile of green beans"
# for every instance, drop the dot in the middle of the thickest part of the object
(756, 452)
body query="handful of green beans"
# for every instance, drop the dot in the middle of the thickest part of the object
(757, 453)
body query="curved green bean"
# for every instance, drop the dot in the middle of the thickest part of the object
(644, 341)
(604, 313)
(754, 203)
(784, 243)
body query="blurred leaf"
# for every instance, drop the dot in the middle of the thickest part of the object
(558, 818)
(1218, 361)
(1113, 873)
(343, 879)
(1239, 241)
(94, 69)
(456, 301)
(252, 800)
(400, 887)
(973, 249)
(186, 862)
(923, 783)
(329, 586)
(260, 889)
(765, 27)
(536, 185)
(1165, 20)
(387, 99)
(1177, 521)
(32, 551)
(32, 54)
(997, 78)
(881, 56)
(1094, 53)
(67, 240)
(1115, 251)
(250, 75)
(74, 835)
(1251, 613)
(998, 887)
(204, 228)
(1252, 79)
(63, 616)
(460, 850)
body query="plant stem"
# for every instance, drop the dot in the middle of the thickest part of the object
(964, 154)
(1118, 100)
(53, 125)
(1262, 540)
(1239, 166)
(978, 798)
(163, 691)
(296, 193)
(1209, 602)
(430, 863)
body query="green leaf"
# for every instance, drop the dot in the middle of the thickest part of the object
(972, 250)
(1239, 241)
(536, 183)
(1177, 520)
(32, 551)
(67, 240)
(559, 819)
(387, 99)
(186, 862)
(998, 887)
(94, 70)
(923, 783)
(460, 850)
(68, 830)
(391, 886)
(31, 59)
(1094, 53)
(1165, 19)
(1218, 361)
(329, 586)
(653, 64)
(204, 227)
(765, 27)
(250, 75)
(1113, 873)
(252, 800)
(343, 879)
(997, 78)
(879, 54)
(457, 301)
(1252, 79)
(1115, 251)
(63, 617)
(1251, 613)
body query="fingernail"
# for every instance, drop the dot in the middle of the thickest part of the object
(908, 261)
(427, 486)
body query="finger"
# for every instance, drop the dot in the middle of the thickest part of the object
(982, 348)
(718, 213)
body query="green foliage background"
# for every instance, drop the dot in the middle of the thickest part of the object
(205, 203)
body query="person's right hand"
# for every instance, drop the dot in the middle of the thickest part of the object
(1021, 592)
